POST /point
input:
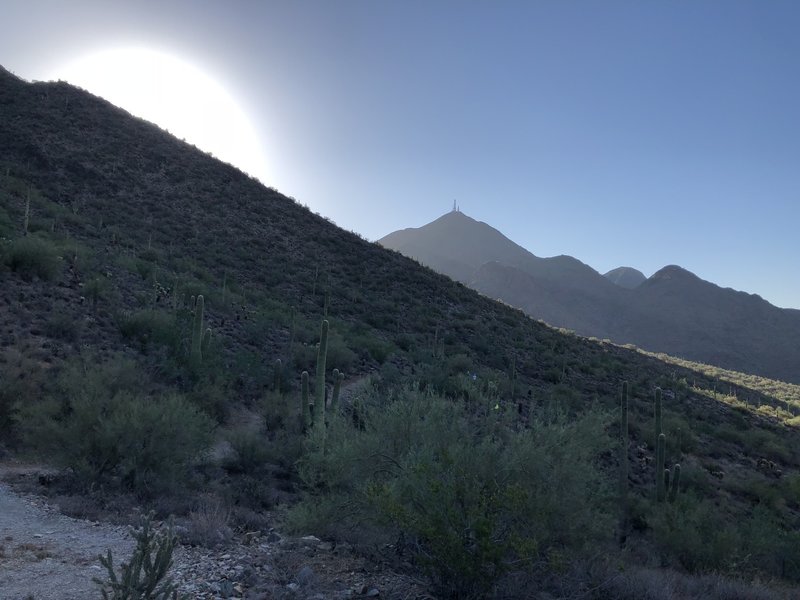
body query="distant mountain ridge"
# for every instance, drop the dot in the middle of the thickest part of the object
(673, 311)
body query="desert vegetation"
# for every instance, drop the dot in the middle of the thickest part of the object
(175, 336)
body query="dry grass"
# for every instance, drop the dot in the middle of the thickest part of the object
(209, 524)
(664, 584)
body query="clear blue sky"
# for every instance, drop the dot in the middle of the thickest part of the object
(623, 133)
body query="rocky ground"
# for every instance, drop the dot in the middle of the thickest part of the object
(45, 555)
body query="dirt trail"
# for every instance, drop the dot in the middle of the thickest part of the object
(47, 556)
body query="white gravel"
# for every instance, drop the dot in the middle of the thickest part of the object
(45, 555)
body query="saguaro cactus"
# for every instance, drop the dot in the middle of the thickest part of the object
(206, 343)
(661, 450)
(623, 434)
(276, 384)
(322, 353)
(676, 480)
(27, 212)
(305, 407)
(623, 460)
(197, 329)
(659, 428)
(338, 377)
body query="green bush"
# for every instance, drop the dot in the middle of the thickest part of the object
(250, 451)
(117, 437)
(9, 397)
(473, 497)
(212, 393)
(697, 534)
(96, 289)
(63, 326)
(339, 354)
(33, 256)
(150, 327)
(703, 539)
(372, 347)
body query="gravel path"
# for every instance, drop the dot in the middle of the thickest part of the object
(47, 556)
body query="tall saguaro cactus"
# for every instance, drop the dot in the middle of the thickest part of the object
(659, 427)
(305, 407)
(623, 461)
(661, 450)
(278, 372)
(27, 212)
(322, 354)
(197, 329)
(338, 377)
(676, 480)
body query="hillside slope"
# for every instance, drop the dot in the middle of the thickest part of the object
(674, 311)
(109, 227)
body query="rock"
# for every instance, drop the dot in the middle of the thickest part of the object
(273, 538)
(310, 540)
(373, 593)
(293, 587)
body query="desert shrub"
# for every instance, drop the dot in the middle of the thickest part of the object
(150, 327)
(33, 256)
(208, 524)
(473, 498)
(117, 437)
(340, 355)
(702, 538)
(22, 379)
(213, 396)
(145, 269)
(373, 347)
(250, 451)
(96, 289)
(63, 327)
(6, 222)
(9, 397)
(149, 255)
(277, 411)
(770, 547)
(304, 357)
(666, 584)
(697, 534)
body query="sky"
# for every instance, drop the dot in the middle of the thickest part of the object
(622, 133)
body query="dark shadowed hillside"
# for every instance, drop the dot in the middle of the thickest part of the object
(673, 311)
(471, 444)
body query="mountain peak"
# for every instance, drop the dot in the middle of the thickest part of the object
(454, 216)
(673, 272)
(626, 277)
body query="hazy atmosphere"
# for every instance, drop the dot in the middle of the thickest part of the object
(621, 133)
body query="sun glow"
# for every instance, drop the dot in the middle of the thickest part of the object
(174, 95)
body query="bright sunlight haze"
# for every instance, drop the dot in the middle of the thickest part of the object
(174, 95)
